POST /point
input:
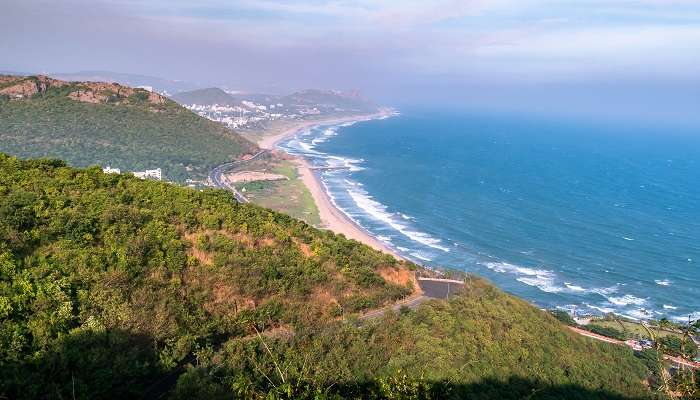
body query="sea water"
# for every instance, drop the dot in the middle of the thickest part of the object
(604, 217)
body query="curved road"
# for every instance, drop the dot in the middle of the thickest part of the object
(216, 175)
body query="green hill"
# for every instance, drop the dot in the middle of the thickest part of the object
(88, 123)
(208, 96)
(114, 287)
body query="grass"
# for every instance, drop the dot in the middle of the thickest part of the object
(635, 329)
(291, 196)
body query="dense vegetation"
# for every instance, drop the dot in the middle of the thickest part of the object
(208, 96)
(113, 287)
(133, 136)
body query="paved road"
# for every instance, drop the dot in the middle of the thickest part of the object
(216, 175)
(432, 289)
(677, 360)
(440, 288)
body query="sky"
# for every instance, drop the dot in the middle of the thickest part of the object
(632, 57)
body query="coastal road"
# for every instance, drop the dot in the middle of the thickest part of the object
(677, 360)
(216, 175)
(431, 288)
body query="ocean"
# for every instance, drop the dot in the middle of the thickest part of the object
(600, 216)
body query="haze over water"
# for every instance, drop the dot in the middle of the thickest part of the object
(601, 216)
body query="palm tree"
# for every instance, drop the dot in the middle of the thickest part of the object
(665, 376)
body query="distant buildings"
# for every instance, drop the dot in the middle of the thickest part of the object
(149, 174)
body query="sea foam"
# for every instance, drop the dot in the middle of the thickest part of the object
(378, 211)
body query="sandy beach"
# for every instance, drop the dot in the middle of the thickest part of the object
(331, 217)
(269, 142)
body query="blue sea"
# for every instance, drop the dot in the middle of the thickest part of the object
(600, 216)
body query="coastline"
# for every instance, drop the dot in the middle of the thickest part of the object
(332, 218)
(269, 142)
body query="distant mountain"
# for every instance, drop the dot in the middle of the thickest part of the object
(326, 101)
(330, 99)
(208, 96)
(88, 123)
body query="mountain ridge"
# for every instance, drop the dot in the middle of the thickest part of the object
(108, 124)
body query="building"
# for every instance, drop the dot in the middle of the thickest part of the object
(110, 170)
(149, 174)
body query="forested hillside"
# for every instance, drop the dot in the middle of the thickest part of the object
(88, 123)
(113, 287)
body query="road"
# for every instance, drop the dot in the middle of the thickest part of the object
(677, 360)
(431, 289)
(216, 175)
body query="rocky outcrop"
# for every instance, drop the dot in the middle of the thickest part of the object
(21, 87)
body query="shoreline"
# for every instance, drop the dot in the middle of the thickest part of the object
(269, 142)
(332, 218)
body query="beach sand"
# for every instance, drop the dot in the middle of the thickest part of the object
(331, 217)
(269, 141)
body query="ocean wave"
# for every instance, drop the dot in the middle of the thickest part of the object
(670, 307)
(684, 318)
(638, 313)
(379, 212)
(350, 163)
(604, 310)
(541, 278)
(662, 282)
(574, 288)
(421, 256)
(627, 300)
(605, 291)
(404, 249)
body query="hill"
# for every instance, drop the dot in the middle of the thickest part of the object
(114, 287)
(208, 96)
(331, 101)
(328, 102)
(88, 123)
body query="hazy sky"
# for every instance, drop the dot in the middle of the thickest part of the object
(634, 55)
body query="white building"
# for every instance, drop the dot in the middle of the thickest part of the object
(149, 173)
(110, 170)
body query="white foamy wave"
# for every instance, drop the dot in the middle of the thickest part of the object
(638, 313)
(404, 249)
(670, 307)
(540, 278)
(627, 300)
(379, 212)
(542, 282)
(684, 318)
(574, 288)
(308, 148)
(662, 282)
(628, 238)
(349, 163)
(604, 310)
(605, 291)
(404, 216)
(386, 239)
(421, 256)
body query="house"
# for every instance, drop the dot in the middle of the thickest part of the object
(149, 174)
